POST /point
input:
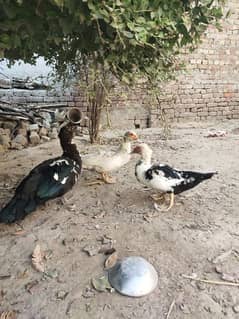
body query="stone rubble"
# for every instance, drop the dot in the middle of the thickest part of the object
(17, 136)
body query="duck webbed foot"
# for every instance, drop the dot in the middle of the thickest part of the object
(107, 178)
(165, 209)
(160, 197)
(95, 182)
(104, 179)
(171, 203)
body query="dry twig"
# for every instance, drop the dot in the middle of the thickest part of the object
(213, 282)
(170, 309)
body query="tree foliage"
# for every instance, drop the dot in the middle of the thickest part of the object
(126, 37)
(97, 39)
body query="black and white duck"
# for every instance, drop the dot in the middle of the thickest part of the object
(48, 180)
(164, 178)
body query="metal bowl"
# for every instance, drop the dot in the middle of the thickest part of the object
(133, 276)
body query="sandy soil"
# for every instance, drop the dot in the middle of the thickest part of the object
(202, 226)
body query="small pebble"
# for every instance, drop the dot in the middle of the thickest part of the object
(201, 285)
(185, 309)
(236, 308)
(61, 294)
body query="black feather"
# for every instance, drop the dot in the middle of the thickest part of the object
(167, 171)
(149, 174)
(50, 179)
(40, 186)
(191, 179)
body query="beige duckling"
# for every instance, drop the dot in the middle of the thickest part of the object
(104, 164)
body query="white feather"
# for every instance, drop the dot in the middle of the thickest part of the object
(56, 176)
(59, 162)
(64, 180)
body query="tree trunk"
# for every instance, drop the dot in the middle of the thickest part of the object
(95, 106)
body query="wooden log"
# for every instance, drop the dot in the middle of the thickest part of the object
(13, 117)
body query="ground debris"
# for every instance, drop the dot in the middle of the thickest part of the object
(212, 304)
(37, 259)
(235, 308)
(218, 269)
(31, 286)
(91, 250)
(61, 294)
(148, 217)
(50, 274)
(213, 282)
(2, 277)
(220, 133)
(201, 285)
(88, 293)
(88, 307)
(100, 215)
(230, 277)
(2, 295)
(107, 250)
(48, 254)
(111, 260)
(71, 306)
(19, 232)
(170, 308)
(220, 258)
(22, 274)
(102, 284)
(107, 239)
(184, 308)
(8, 315)
(71, 208)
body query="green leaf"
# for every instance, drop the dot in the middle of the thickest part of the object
(121, 37)
(59, 3)
(10, 10)
(128, 34)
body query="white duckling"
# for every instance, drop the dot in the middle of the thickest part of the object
(104, 164)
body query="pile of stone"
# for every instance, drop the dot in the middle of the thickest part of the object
(22, 126)
(17, 135)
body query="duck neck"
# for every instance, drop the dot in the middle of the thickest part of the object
(146, 158)
(69, 150)
(126, 146)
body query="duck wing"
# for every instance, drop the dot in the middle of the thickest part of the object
(169, 179)
(162, 170)
(191, 179)
(48, 180)
(162, 177)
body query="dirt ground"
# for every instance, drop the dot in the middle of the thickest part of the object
(198, 237)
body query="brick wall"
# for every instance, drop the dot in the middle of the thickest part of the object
(71, 97)
(37, 96)
(208, 88)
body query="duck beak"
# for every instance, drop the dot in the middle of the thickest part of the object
(133, 136)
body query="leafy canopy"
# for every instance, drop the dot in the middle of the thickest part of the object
(126, 37)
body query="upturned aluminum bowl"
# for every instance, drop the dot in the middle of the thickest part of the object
(133, 276)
